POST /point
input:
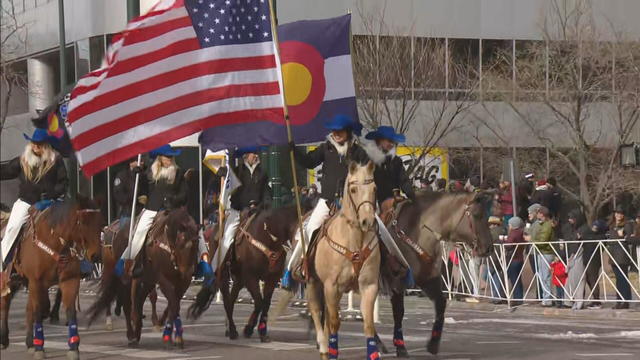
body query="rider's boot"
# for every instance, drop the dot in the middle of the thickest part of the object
(287, 280)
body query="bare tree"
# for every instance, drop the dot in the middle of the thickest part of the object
(396, 74)
(591, 96)
(12, 39)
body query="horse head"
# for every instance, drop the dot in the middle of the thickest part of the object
(90, 223)
(182, 233)
(476, 213)
(359, 199)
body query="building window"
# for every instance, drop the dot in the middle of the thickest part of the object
(82, 58)
(464, 64)
(497, 68)
(96, 52)
(530, 70)
(430, 68)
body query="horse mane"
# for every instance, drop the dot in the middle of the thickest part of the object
(60, 212)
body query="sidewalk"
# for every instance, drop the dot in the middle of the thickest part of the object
(535, 309)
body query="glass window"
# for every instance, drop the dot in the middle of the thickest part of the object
(464, 63)
(365, 50)
(497, 66)
(96, 52)
(82, 57)
(430, 63)
(530, 65)
(394, 62)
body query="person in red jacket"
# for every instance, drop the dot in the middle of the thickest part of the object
(560, 276)
(505, 198)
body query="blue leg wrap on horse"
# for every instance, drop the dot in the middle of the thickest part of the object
(178, 325)
(119, 269)
(409, 281)
(38, 336)
(262, 327)
(333, 346)
(166, 333)
(398, 339)
(287, 280)
(74, 337)
(372, 349)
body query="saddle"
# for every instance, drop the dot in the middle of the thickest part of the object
(390, 209)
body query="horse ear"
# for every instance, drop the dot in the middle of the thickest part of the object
(371, 166)
(353, 166)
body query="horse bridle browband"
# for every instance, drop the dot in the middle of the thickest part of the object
(357, 208)
(466, 212)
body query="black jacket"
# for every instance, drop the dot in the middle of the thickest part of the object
(617, 249)
(334, 166)
(578, 231)
(52, 185)
(544, 198)
(163, 195)
(254, 188)
(391, 175)
(123, 186)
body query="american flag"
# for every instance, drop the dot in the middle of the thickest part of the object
(185, 66)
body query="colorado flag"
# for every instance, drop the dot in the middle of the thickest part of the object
(318, 80)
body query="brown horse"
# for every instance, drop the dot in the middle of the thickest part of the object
(257, 253)
(418, 227)
(168, 260)
(54, 242)
(348, 242)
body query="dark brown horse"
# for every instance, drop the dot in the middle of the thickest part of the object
(52, 246)
(418, 227)
(258, 253)
(168, 260)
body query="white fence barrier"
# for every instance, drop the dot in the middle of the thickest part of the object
(525, 272)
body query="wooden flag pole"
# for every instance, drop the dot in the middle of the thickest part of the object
(296, 191)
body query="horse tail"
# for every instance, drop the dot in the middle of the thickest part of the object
(202, 302)
(107, 291)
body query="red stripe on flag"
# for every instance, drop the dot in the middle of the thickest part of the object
(170, 78)
(176, 48)
(149, 32)
(159, 139)
(169, 107)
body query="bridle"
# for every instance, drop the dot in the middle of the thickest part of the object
(356, 224)
(467, 213)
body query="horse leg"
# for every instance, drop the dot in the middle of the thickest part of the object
(153, 297)
(108, 320)
(397, 305)
(332, 320)
(315, 304)
(69, 292)
(124, 299)
(229, 301)
(368, 294)
(179, 340)
(269, 287)
(254, 289)
(5, 303)
(36, 293)
(433, 289)
(138, 297)
(54, 314)
(173, 306)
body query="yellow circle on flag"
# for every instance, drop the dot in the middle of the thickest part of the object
(297, 83)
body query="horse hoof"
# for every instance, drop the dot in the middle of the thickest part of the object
(73, 355)
(265, 339)
(31, 350)
(232, 334)
(433, 346)
(179, 342)
(402, 352)
(248, 332)
(38, 355)
(324, 356)
(168, 346)
(133, 343)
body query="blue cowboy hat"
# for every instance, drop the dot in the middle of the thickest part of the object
(248, 150)
(343, 122)
(39, 136)
(386, 132)
(165, 150)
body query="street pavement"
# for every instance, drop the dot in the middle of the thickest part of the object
(472, 331)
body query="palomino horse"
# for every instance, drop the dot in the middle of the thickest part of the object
(418, 227)
(53, 244)
(258, 253)
(348, 242)
(168, 259)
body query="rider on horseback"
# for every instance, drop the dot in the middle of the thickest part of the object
(43, 179)
(167, 191)
(253, 192)
(335, 154)
(123, 187)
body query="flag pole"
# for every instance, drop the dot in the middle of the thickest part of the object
(133, 207)
(289, 133)
(221, 213)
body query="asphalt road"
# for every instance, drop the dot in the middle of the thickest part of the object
(480, 331)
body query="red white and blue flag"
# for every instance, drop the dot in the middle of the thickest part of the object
(186, 66)
(318, 81)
